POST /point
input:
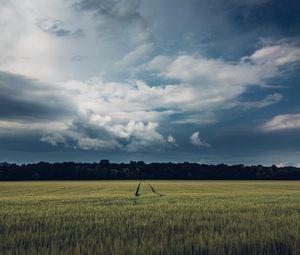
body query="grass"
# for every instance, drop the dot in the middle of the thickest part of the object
(192, 217)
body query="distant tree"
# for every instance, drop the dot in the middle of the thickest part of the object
(140, 170)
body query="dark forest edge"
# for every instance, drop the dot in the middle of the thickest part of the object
(104, 170)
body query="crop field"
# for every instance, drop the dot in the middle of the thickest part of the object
(190, 217)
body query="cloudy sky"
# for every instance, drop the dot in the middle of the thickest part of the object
(206, 81)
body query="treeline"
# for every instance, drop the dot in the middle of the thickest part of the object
(104, 170)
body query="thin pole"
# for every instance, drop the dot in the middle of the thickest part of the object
(137, 189)
(154, 191)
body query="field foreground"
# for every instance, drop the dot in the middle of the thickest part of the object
(192, 217)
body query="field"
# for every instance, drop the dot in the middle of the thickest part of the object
(192, 217)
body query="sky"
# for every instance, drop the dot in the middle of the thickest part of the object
(208, 81)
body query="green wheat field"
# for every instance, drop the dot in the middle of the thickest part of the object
(192, 217)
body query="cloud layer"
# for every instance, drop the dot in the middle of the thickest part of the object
(125, 116)
(113, 76)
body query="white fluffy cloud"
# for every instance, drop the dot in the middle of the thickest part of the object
(127, 112)
(90, 131)
(281, 122)
(204, 84)
(196, 140)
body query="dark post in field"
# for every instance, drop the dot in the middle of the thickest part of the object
(151, 187)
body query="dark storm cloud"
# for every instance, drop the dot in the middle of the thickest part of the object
(22, 98)
(249, 2)
(229, 29)
(272, 18)
(56, 28)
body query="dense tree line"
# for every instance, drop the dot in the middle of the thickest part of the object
(104, 170)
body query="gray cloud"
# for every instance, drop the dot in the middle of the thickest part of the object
(77, 58)
(22, 98)
(223, 28)
(56, 28)
(115, 8)
(268, 100)
(249, 2)
(117, 18)
(78, 33)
